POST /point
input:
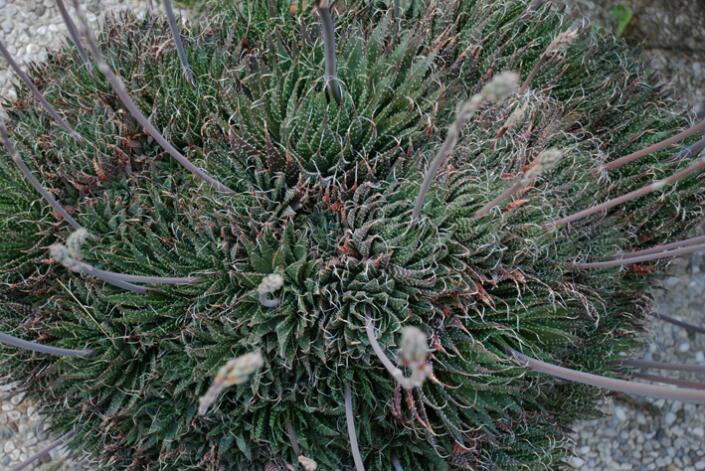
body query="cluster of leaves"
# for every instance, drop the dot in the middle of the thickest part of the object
(323, 195)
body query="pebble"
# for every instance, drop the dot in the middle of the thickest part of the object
(670, 418)
(9, 446)
(620, 413)
(16, 399)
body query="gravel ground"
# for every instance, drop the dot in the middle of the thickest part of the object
(651, 434)
(633, 434)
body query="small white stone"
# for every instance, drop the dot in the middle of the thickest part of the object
(576, 462)
(684, 347)
(620, 413)
(17, 398)
(669, 418)
(9, 446)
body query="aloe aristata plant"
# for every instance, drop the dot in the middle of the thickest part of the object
(337, 235)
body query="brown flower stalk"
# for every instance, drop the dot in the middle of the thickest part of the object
(70, 257)
(638, 258)
(657, 365)
(685, 325)
(44, 451)
(75, 37)
(660, 248)
(676, 382)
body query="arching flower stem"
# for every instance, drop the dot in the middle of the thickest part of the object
(676, 382)
(75, 37)
(121, 90)
(499, 88)
(51, 111)
(44, 451)
(685, 325)
(352, 433)
(681, 136)
(27, 173)
(328, 35)
(628, 387)
(181, 52)
(631, 196)
(41, 348)
(657, 365)
(413, 350)
(638, 258)
(69, 256)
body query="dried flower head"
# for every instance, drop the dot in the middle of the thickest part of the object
(414, 345)
(234, 372)
(501, 87)
(270, 284)
(545, 161)
(75, 241)
(561, 43)
(61, 254)
(307, 463)
(518, 115)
